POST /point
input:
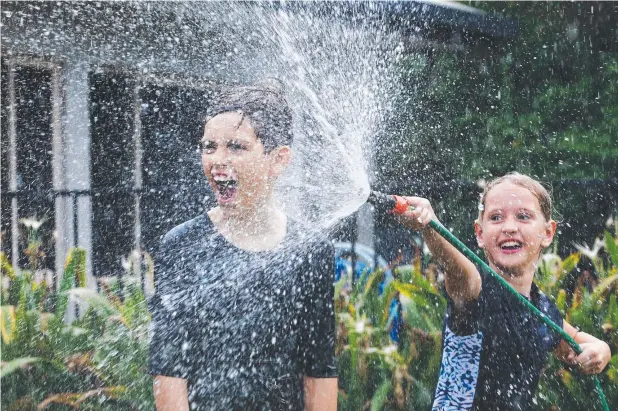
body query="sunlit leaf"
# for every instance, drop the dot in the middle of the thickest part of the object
(381, 395)
(612, 248)
(8, 323)
(13, 365)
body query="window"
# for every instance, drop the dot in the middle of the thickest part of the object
(27, 158)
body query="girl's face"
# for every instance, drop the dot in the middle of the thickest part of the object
(238, 170)
(512, 229)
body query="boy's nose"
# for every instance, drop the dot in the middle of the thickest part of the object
(219, 157)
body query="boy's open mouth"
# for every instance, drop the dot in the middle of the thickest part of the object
(226, 189)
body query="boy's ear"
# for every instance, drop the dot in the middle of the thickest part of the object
(280, 157)
(478, 230)
(550, 230)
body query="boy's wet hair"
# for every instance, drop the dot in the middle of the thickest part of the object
(264, 105)
(522, 180)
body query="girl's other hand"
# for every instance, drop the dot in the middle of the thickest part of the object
(594, 357)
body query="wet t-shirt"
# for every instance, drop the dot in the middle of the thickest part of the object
(241, 327)
(494, 350)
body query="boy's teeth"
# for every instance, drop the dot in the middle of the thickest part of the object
(510, 244)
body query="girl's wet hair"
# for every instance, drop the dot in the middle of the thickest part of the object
(522, 180)
(266, 107)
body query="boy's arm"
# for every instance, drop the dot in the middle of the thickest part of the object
(170, 393)
(595, 353)
(463, 281)
(320, 394)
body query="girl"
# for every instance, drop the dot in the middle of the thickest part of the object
(494, 349)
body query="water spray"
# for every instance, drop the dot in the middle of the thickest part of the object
(384, 203)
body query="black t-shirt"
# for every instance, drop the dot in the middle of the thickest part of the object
(494, 350)
(242, 327)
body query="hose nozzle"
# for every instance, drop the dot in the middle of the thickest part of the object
(385, 203)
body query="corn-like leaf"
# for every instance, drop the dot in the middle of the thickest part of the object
(8, 323)
(13, 365)
(76, 399)
(409, 290)
(604, 286)
(98, 302)
(5, 267)
(569, 264)
(381, 395)
(612, 248)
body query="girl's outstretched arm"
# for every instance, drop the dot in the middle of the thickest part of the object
(463, 281)
(595, 353)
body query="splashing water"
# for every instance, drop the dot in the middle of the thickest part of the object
(342, 84)
(340, 71)
(337, 60)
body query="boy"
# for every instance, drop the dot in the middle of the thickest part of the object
(243, 311)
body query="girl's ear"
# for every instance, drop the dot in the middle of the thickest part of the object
(280, 158)
(478, 230)
(550, 231)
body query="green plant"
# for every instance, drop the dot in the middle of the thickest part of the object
(96, 362)
(376, 373)
(594, 312)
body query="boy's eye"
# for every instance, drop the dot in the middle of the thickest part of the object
(524, 216)
(495, 217)
(235, 146)
(208, 147)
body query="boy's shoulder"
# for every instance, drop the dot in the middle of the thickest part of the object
(195, 227)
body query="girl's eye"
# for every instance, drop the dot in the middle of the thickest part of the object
(208, 147)
(495, 217)
(524, 216)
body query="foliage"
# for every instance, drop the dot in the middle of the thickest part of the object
(544, 103)
(376, 373)
(592, 306)
(96, 362)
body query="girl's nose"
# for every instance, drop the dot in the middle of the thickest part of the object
(509, 226)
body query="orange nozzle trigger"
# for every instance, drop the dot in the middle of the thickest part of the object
(401, 205)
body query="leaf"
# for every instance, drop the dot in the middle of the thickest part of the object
(9, 367)
(8, 323)
(5, 267)
(380, 396)
(374, 279)
(74, 268)
(409, 290)
(569, 263)
(612, 248)
(604, 286)
(75, 399)
(98, 302)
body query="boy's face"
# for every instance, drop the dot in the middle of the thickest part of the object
(238, 169)
(513, 229)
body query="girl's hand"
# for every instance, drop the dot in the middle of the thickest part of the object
(593, 359)
(418, 216)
